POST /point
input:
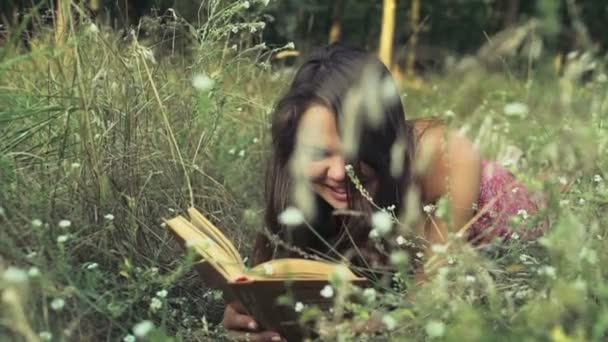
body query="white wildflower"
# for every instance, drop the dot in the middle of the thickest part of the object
(389, 322)
(439, 248)
(515, 109)
(65, 224)
(255, 140)
(429, 208)
(589, 255)
(45, 336)
(291, 217)
(469, 278)
(162, 293)
(57, 304)
(75, 165)
(549, 271)
(14, 275)
(93, 28)
(246, 4)
(382, 222)
(515, 236)
(268, 269)
(581, 201)
(252, 29)
(92, 266)
(36, 223)
(449, 113)
(580, 284)
(435, 328)
(419, 255)
(562, 180)
(369, 294)
(155, 304)
(398, 258)
(523, 213)
(33, 272)
(129, 338)
(327, 291)
(563, 203)
(109, 217)
(232, 151)
(62, 238)
(299, 307)
(400, 240)
(241, 153)
(597, 178)
(142, 328)
(373, 234)
(202, 82)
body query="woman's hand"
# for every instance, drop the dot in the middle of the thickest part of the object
(243, 327)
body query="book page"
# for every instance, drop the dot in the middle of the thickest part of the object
(219, 258)
(209, 229)
(305, 269)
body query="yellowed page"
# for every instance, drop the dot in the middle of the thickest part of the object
(203, 224)
(220, 259)
(291, 268)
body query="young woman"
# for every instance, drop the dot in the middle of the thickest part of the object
(341, 114)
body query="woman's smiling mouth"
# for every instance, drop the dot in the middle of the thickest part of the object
(338, 193)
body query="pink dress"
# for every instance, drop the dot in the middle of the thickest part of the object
(505, 198)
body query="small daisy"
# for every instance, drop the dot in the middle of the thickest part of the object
(327, 291)
(65, 224)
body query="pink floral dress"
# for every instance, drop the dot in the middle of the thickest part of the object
(501, 199)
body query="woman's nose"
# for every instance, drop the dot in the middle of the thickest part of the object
(336, 171)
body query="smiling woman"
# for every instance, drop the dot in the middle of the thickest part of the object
(318, 136)
(342, 147)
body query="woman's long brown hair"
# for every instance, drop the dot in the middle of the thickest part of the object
(327, 77)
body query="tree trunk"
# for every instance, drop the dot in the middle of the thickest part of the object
(335, 31)
(388, 31)
(511, 9)
(414, 23)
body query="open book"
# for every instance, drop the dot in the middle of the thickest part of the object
(260, 287)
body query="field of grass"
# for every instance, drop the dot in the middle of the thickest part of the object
(103, 136)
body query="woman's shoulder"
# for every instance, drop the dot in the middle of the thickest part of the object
(438, 150)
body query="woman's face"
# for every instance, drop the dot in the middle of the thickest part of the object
(323, 161)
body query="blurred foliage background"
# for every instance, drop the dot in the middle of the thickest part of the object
(444, 27)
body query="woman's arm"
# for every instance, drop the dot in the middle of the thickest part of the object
(453, 171)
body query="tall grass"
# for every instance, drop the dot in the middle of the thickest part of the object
(106, 134)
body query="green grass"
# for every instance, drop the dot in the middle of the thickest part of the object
(98, 134)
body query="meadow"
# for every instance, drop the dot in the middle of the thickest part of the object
(104, 135)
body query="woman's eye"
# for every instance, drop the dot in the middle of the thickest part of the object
(316, 153)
